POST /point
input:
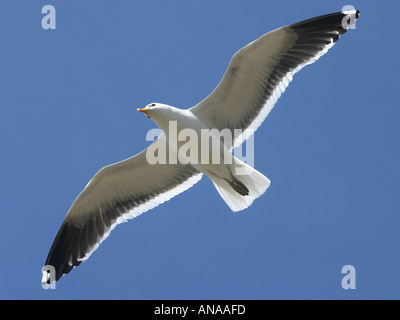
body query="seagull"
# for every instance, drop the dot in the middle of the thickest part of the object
(256, 77)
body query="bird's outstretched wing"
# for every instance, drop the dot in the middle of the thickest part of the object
(116, 193)
(260, 72)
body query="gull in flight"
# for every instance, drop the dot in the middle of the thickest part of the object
(256, 77)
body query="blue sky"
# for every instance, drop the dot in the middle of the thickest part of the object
(330, 147)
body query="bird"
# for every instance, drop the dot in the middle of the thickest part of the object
(256, 77)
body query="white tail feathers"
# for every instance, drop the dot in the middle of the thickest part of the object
(255, 182)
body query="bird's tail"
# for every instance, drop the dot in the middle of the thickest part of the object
(246, 185)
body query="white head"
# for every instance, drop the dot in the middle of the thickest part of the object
(157, 112)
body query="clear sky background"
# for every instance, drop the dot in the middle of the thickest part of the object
(68, 100)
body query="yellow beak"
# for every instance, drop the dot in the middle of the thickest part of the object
(143, 109)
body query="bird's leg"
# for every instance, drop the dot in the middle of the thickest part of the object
(237, 185)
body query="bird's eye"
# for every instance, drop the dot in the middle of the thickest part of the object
(153, 104)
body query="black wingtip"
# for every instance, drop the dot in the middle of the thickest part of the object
(62, 250)
(327, 20)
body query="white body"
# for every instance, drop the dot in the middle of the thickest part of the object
(223, 173)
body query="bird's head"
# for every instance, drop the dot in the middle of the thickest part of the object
(154, 110)
(147, 110)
